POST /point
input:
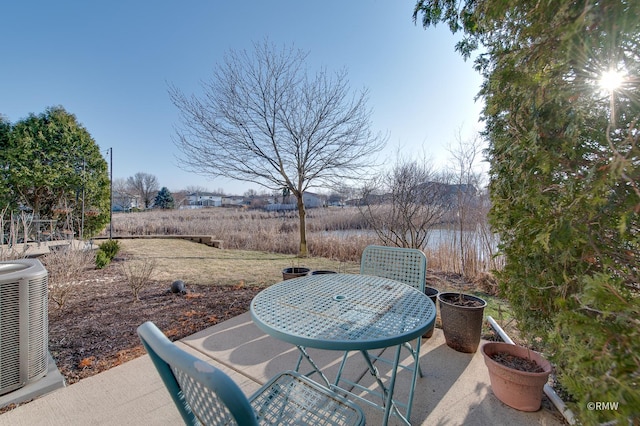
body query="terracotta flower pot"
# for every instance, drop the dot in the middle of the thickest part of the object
(521, 390)
(295, 272)
(461, 323)
(432, 293)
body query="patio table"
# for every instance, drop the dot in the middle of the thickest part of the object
(347, 312)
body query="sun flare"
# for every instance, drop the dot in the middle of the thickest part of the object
(611, 80)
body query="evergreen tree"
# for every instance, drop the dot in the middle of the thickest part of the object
(5, 133)
(164, 199)
(51, 165)
(565, 174)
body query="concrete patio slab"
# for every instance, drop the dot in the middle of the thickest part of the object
(238, 343)
(454, 391)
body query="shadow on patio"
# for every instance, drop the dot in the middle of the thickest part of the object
(454, 391)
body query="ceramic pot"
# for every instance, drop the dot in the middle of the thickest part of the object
(432, 293)
(461, 325)
(518, 389)
(295, 272)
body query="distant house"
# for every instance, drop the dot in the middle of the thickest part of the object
(233, 201)
(204, 199)
(444, 194)
(124, 202)
(450, 194)
(310, 200)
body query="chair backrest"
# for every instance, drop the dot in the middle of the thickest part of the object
(401, 264)
(202, 393)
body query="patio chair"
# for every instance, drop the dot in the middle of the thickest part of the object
(400, 264)
(205, 395)
(406, 265)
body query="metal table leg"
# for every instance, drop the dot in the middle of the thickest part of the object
(304, 354)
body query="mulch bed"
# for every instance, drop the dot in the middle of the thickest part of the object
(96, 328)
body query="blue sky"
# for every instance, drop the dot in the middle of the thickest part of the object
(110, 64)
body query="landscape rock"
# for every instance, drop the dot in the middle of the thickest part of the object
(178, 287)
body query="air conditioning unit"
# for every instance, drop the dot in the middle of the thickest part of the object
(24, 323)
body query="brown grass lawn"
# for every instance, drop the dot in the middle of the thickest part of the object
(200, 264)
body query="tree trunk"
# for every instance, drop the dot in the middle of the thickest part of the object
(303, 226)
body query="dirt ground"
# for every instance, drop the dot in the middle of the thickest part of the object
(96, 329)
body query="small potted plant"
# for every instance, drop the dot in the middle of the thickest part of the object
(517, 374)
(462, 316)
(294, 272)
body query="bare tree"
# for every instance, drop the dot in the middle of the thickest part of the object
(263, 119)
(120, 186)
(343, 192)
(406, 202)
(145, 186)
(465, 155)
(196, 189)
(250, 193)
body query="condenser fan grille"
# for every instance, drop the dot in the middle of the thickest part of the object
(9, 335)
(38, 327)
(24, 325)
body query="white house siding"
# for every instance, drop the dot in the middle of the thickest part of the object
(204, 199)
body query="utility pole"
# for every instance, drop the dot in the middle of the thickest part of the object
(84, 168)
(110, 192)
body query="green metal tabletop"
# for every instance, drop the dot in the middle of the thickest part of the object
(343, 312)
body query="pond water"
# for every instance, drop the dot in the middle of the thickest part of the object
(436, 238)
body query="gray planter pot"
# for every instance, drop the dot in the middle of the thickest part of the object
(461, 325)
(295, 272)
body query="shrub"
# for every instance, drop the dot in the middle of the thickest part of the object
(102, 259)
(64, 268)
(138, 273)
(106, 253)
(110, 248)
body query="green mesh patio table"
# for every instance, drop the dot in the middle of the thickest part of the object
(347, 312)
